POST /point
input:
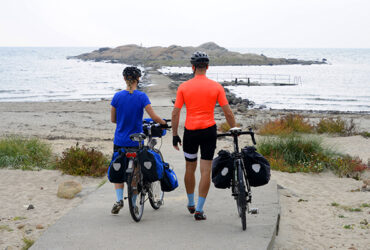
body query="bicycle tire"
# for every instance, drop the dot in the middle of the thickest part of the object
(156, 195)
(241, 199)
(136, 204)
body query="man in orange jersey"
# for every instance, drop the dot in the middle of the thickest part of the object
(199, 95)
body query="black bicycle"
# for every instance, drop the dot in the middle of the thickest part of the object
(138, 188)
(240, 187)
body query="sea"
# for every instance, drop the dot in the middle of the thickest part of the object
(45, 74)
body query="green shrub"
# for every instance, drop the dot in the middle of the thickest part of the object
(365, 134)
(286, 125)
(24, 153)
(298, 154)
(346, 166)
(335, 126)
(83, 161)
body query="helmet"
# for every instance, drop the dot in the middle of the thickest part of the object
(199, 58)
(131, 73)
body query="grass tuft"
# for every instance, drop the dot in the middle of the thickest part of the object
(28, 243)
(19, 218)
(307, 154)
(286, 125)
(5, 228)
(83, 161)
(336, 126)
(24, 153)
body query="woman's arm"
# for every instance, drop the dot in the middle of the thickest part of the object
(153, 115)
(113, 115)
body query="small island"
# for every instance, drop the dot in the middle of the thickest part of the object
(175, 55)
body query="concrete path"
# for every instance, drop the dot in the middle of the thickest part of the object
(91, 226)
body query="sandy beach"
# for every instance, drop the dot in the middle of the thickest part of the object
(308, 220)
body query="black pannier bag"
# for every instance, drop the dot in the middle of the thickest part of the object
(222, 169)
(117, 167)
(258, 168)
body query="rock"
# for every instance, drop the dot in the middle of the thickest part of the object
(30, 207)
(68, 189)
(366, 182)
(39, 226)
(263, 106)
(28, 231)
(242, 108)
(20, 226)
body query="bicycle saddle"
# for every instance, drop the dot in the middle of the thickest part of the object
(138, 137)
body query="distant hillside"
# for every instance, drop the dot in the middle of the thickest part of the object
(179, 56)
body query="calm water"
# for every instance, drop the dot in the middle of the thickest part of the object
(44, 74)
(343, 84)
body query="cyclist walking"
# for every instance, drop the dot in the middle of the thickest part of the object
(199, 95)
(127, 112)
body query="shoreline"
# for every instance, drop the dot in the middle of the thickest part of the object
(310, 111)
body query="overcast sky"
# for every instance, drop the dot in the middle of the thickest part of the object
(229, 23)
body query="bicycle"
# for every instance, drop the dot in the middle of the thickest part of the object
(138, 188)
(240, 187)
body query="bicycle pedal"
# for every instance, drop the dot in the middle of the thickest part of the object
(254, 211)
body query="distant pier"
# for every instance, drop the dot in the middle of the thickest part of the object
(231, 79)
(234, 79)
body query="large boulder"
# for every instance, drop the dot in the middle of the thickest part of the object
(68, 189)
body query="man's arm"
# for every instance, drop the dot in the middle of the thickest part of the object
(175, 123)
(113, 115)
(229, 115)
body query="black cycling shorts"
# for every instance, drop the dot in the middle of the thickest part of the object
(203, 138)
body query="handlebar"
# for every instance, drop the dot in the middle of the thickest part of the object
(152, 123)
(237, 133)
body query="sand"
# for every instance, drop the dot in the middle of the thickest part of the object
(309, 224)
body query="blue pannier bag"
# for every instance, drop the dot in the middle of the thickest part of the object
(169, 181)
(117, 167)
(157, 131)
(151, 164)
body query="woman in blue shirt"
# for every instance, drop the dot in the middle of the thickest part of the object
(127, 112)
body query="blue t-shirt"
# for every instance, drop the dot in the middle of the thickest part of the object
(129, 116)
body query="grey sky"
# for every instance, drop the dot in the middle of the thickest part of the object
(232, 23)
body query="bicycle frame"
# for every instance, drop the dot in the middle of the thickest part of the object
(240, 187)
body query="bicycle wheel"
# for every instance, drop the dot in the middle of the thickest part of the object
(136, 197)
(241, 199)
(156, 195)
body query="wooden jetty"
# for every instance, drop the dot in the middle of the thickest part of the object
(230, 79)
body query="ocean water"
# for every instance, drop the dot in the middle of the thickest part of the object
(44, 74)
(341, 85)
